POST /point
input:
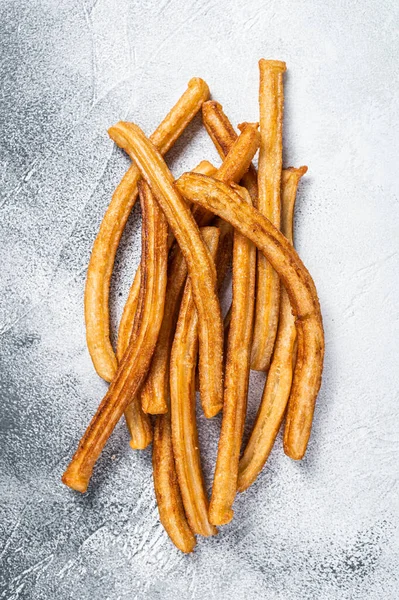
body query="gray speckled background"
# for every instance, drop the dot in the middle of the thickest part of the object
(322, 529)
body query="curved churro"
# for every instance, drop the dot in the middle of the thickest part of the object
(271, 102)
(236, 377)
(183, 362)
(155, 391)
(229, 205)
(106, 243)
(135, 363)
(223, 135)
(200, 265)
(279, 378)
(127, 319)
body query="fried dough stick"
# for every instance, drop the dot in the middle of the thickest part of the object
(279, 378)
(139, 425)
(167, 491)
(236, 377)
(199, 263)
(106, 243)
(225, 202)
(134, 366)
(127, 320)
(271, 102)
(155, 390)
(223, 135)
(183, 362)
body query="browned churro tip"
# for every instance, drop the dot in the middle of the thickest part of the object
(244, 124)
(200, 84)
(212, 104)
(277, 66)
(299, 170)
(74, 481)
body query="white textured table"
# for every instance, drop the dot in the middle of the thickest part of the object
(325, 528)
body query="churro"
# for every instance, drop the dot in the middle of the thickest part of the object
(167, 491)
(107, 241)
(279, 378)
(236, 377)
(134, 366)
(228, 204)
(271, 102)
(183, 362)
(200, 265)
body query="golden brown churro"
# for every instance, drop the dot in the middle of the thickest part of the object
(126, 323)
(167, 491)
(271, 103)
(105, 246)
(155, 391)
(135, 363)
(225, 202)
(279, 378)
(200, 265)
(183, 362)
(235, 164)
(222, 134)
(236, 377)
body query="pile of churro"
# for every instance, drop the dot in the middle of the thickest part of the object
(173, 338)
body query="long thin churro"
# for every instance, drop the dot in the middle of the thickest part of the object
(279, 378)
(271, 103)
(200, 265)
(106, 243)
(135, 363)
(183, 362)
(155, 391)
(236, 377)
(126, 323)
(228, 204)
(167, 491)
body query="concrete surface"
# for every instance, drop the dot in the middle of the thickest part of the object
(325, 528)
